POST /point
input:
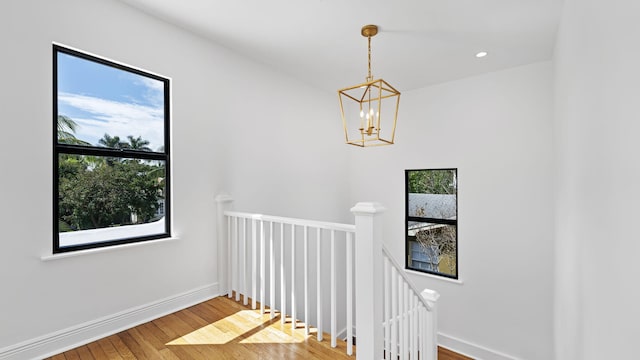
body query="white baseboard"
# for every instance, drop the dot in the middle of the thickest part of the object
(471, 350)
(342, 334)
(69, 338)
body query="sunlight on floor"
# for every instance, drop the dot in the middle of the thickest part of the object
(244, 327)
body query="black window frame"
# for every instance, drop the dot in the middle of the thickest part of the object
(62, 148)
(431, 220)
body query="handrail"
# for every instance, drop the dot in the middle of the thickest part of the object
(400, 323)
(328, 226)
(256, 233)
(295, 221)
(405, 277)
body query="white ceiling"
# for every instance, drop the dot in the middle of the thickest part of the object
(421, 42)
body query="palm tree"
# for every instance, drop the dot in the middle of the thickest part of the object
(138, 143)
(66, 131)
(112, 142)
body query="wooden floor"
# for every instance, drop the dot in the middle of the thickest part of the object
(216, 329)
(446, 354)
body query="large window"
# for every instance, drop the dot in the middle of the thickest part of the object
(111, 153)
(432, 221)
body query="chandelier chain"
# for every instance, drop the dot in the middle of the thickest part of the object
(369, 77)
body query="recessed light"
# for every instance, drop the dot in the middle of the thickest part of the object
(482, 54)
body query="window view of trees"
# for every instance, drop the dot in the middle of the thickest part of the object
(432, 181)
(431, 212)
(111, 163)
(97, 191)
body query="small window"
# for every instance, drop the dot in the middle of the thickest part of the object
(432, 221)
(111, 153)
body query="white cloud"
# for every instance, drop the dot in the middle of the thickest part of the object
(116, 119)
(155, 90)
(153, 84)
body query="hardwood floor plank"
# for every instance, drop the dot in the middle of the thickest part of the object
(144, 343)
(96, 351)
(72, 355)
(446, 354)
(84, 353)
(109, 350)
(160, 339)
(121, 347)
(167, 354)
(219, 328)
(150, 333)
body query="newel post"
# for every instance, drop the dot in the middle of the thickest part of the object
(369, 292)
(223, 202)
(431, 336)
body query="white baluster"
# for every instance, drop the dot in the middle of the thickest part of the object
(393, 349)
(229, 261)
(401, 332)
(272, 273)
(263, 265)
(405, 343)
(349, 294)
(333, 289)
(412, 331)
(417, 325)
(243, 268)
(283, 280)
(306, 280)
(254, 263)
(236, 258)
(387, 308)
(293, 277)
(319, 282)
(422, 337)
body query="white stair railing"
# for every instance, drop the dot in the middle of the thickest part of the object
(392, 319)
(410, 320)
(256, 244)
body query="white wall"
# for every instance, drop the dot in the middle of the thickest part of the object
(214, 131)
(283, 154)
(496, 129)
(598, 172)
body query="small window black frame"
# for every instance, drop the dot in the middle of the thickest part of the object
(61, 148)
(429, 220)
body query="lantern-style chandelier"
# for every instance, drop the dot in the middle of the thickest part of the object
(369, 110)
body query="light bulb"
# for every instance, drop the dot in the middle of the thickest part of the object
(361, 113)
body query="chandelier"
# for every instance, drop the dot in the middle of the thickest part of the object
(369, 110)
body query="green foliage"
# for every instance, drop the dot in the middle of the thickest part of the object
(97, 192)
(432, 181)
(138, 143)
(108, 195)
(112, 142)
(63, 226)
(66, 128)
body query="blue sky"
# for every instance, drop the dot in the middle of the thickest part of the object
(102, 99)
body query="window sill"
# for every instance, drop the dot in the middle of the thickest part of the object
(455, 281)
(103, 249)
